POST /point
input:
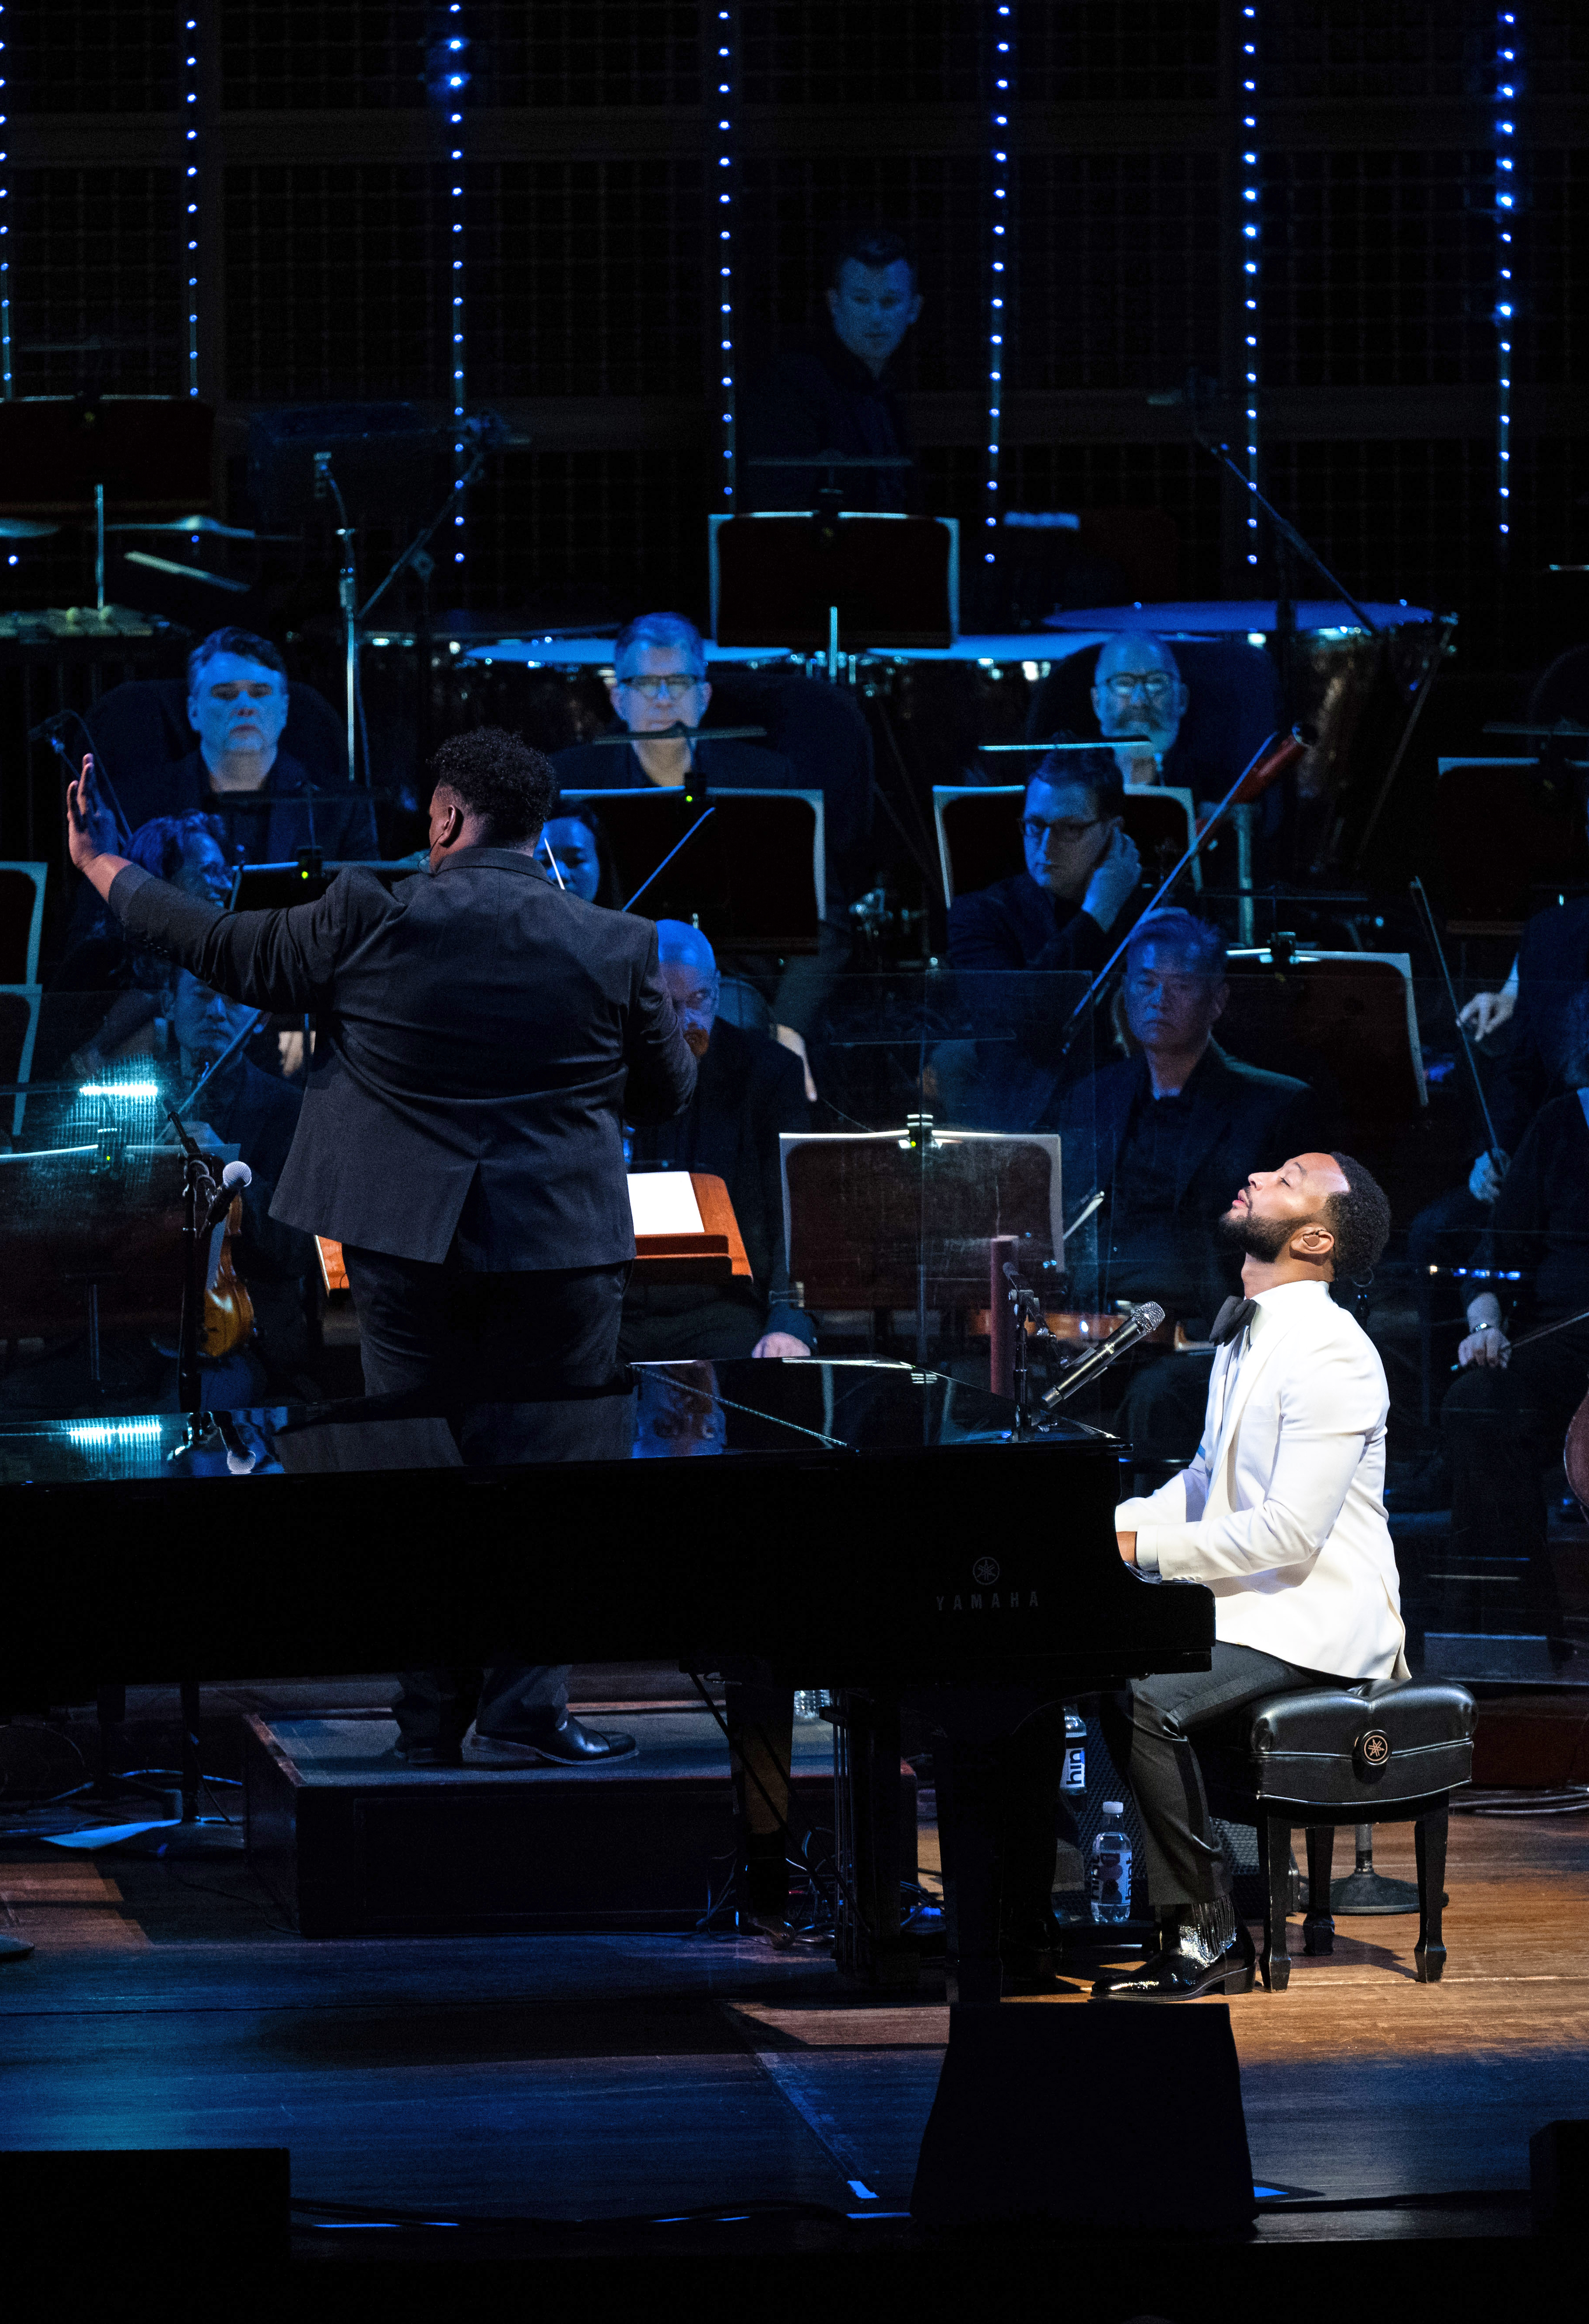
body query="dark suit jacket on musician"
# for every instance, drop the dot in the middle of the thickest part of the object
(1237, 1118)
(481, 1034)
(749, 1090)
(1022, 957)
(731, 766)
(1553, 963)
(264, 826)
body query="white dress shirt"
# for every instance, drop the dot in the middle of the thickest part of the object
(1282, 1513)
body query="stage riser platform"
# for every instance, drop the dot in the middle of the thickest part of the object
(352, 1843)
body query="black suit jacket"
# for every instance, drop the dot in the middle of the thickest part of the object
(1553, 963)
(480, 1035)
(341, 823)
(1243, 1118)
(748, 1089)
(1022, 957)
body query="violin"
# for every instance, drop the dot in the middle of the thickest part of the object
(227, 1323)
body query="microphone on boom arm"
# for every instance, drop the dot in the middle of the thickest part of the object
(1142, 1319)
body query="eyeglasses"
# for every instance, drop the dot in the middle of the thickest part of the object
(678, 684)
(1067, 833)
(1155, 683)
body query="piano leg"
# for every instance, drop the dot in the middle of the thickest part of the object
(968, 1770)
(871, 1946)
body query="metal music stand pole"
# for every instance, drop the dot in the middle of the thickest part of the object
(346, 599)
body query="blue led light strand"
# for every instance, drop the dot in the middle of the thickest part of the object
(998, 274)
(1250, 189)
(5, 386)
(721, 177)
(1507, 88)
(189, 84)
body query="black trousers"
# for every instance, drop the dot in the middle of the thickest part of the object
(513, 1701)
(484, 1338)
(1148, 1729)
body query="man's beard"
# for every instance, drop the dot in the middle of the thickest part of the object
(696, 1038)
(1257, 1237)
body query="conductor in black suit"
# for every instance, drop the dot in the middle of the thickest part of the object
(481, 1037)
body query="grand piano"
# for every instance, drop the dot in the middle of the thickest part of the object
(888, 1534)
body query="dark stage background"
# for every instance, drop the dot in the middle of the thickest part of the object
(325, 232)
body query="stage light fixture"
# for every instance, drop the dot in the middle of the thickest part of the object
(724, 172)
(999, 222)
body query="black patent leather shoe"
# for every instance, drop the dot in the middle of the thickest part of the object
(1175, 1976)
(567, 1745)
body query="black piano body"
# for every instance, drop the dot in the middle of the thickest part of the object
(859, 1527)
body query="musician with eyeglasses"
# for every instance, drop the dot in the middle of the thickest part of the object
(1138, 690)
(1023, 948)
(660, 682)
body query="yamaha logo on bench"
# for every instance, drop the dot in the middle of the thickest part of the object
(1373, 1750)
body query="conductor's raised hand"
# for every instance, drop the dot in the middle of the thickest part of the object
(91, 831)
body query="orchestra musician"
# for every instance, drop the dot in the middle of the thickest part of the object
(1281, 1514)
(748, 1088)
(575, 854)
(238, 706)
(1012, 944)
(1163, 1134)
(188, 851)
(1505, 1417)
(837, 391)
(659, 681)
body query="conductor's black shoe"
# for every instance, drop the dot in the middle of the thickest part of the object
(567, 1743)
(1173, 1975)
(428, 1754)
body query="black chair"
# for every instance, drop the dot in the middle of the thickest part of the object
(1387, 1751)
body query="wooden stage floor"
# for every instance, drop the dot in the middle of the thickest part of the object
(599, 2077)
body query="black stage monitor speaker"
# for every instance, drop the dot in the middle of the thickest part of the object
(999, 2143)
(386, 458)
(205, 2218)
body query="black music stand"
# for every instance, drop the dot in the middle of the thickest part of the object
(271, 886)
(902, 1218)
(747, 867)
(815, 585)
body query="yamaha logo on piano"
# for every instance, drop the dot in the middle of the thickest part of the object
(985, 1571)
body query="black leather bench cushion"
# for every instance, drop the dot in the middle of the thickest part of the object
(1373, 1744)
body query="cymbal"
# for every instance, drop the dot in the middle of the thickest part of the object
(25, 528)
(209, 524)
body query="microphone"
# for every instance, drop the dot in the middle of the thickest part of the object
(1143, 1320)
(233, 1178)
(1257, 780)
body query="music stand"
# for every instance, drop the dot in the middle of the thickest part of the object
(856, 583)
(271, 886)
(753, 877)
(902, 1218)
(66, 454)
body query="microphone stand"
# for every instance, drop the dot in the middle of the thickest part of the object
(1426, 914)
(204, 1202)
(1142, 1319)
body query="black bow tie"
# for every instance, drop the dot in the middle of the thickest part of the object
(1232, 1320)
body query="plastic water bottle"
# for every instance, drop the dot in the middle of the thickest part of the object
(1073, 1780)
(1109, 1869)
(810, 1703)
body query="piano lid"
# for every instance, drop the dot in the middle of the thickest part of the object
(660, 1411)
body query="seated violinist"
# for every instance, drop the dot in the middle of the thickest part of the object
(748, 1089)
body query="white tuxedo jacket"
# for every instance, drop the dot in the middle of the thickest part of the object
(1281, 1514)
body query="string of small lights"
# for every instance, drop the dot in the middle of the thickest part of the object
(1250, 185)
(1508, 83)
(1002, 75)
(454, 80)
(5, 387)
(190, 189)
(723, 175)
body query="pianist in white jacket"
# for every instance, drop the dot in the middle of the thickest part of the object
(1282, 1515)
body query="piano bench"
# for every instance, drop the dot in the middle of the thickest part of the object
(1386, 1751)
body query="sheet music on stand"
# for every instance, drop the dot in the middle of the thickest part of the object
(840, 584)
